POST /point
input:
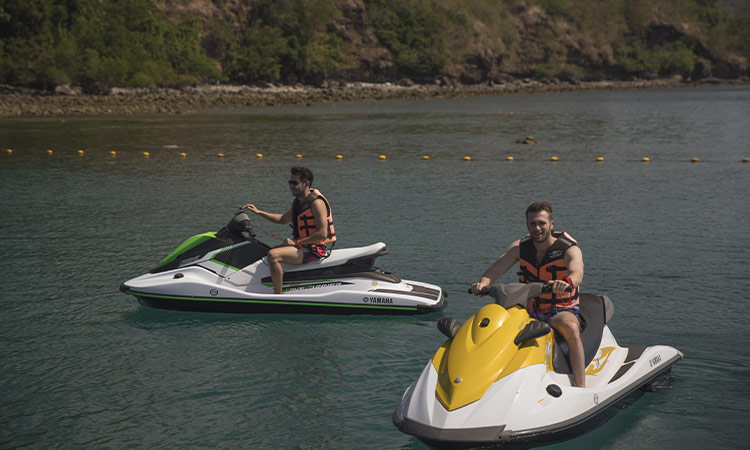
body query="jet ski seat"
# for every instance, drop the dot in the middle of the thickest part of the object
(596, 310)
(363, 255)
(348, 262)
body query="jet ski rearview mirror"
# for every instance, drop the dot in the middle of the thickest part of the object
(532, 330)
(448, 326)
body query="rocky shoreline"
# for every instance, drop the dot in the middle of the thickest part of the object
(70, 101)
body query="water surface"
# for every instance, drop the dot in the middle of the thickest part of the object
(85, 366)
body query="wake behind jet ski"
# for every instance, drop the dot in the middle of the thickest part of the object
(502, 379)
(226, 271)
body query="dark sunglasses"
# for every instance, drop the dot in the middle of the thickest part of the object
(293, 183)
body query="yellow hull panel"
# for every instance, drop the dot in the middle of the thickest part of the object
(483, 352)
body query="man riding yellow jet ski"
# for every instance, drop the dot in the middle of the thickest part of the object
(502, 379)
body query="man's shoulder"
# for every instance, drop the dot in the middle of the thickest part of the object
(565, 238)
(572, 249)
(514, 250)
(317, 195)
(523, 246)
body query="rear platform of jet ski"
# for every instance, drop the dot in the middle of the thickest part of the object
(491, 391)
(228, 272)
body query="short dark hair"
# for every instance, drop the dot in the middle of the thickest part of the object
(303, 173)
(539, 207)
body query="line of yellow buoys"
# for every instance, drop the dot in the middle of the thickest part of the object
(467, 158)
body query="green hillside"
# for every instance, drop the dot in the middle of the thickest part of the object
(98, 44)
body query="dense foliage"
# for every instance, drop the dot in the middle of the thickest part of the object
(93, 43)
(282, 39)
(101, 43)
(412, 31)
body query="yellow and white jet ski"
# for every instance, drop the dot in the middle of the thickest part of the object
(502, 379)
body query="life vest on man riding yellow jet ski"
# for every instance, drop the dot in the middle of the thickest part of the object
(551, 267)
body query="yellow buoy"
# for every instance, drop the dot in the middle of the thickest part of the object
(600, 159)
(509, 158)
(425, 157)
(746, 160)
(113, 153)
(259, 155)
(554, 158)
(646, 159)
(381, 157)
(694, 160)
(80, 152)
(339, 157)
(49, 152)
(299, 156)
(9, 151)
(183, 154)
(467, 158)
(146, 154)
(220, 155)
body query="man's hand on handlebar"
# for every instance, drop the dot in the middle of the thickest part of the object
(478, 289)
(560, 286)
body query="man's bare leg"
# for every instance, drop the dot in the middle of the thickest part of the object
(278, 255)
(567, 324)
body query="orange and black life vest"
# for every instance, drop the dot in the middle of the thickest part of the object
(303, 220)
(551, 267)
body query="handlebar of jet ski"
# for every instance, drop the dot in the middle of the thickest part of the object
(546, 289)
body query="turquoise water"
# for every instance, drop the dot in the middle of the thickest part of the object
(85, 366)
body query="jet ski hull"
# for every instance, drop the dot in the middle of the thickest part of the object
(222, 272)
(483, 390)
(284, 304)
(497, 437)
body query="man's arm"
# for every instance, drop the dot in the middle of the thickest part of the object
(279, 219)
(321, 221)
(503, 264)
(574, 264)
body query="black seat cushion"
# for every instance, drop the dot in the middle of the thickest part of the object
(592, 309)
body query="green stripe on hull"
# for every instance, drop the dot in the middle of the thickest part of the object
(270, 302)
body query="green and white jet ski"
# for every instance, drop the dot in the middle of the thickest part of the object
(503, 380)
(227, 271)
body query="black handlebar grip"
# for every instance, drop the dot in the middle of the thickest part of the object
(485, 291)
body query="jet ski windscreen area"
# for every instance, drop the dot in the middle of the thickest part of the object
(239, 229)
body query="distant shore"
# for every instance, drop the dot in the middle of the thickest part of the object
(70, 101)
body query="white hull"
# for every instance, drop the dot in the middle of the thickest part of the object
(206, 284)
(534, 405)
